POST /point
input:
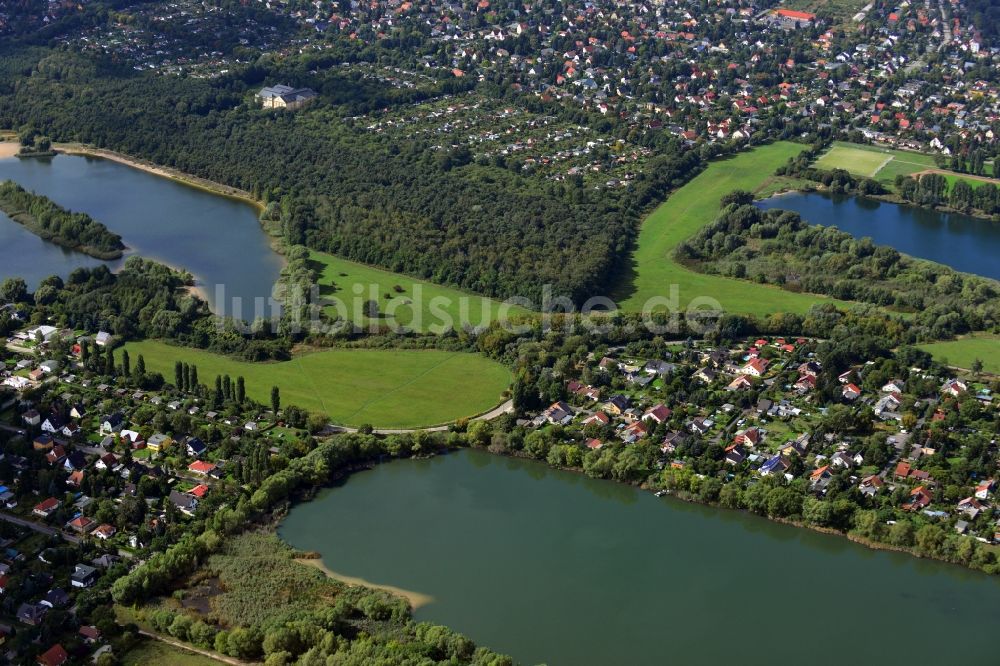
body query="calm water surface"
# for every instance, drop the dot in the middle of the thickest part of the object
(963, 242)
(218, 239)
(553, 567)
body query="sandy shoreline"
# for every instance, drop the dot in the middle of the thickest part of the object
(9, 149)
(416, 599)
(163, 172)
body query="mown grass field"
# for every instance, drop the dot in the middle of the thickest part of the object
(856, 160)
(384, 388)
(884, 164)
(155, 653)
(416, 304)
(654, 270)
(962, 352)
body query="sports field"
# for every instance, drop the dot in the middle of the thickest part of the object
(653, 268)
(385, 388)
(962, 352)
(416, 304)
(884, 164)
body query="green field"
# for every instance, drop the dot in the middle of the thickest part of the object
(883, 164)
(654, 271)
(388, 389)
(154, 653)
(859, 160)
(437, 308)
(962, 352)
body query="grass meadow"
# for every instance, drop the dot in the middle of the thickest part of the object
(384, 388)
(654, 269)
(962, 352)
(416, 304)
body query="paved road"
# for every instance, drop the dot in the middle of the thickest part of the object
(39, 527)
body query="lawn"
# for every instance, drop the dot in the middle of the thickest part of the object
(653, 271)
(962, 352)
(857, 160)
(883, 164)
(154, 653)
(437, 308)
(386, 388)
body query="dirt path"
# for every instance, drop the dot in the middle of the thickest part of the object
(967, 176)
(190, 648)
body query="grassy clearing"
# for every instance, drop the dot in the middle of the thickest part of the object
(416, 304)
(155, 653)
(654, 271)
(386, 388)
(856, 160)
(883, 164)
(962, 352)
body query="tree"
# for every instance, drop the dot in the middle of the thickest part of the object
(977, 366)
(275, 400)
(241, 390)
(140, 367)
(179, 375)
(13, 290)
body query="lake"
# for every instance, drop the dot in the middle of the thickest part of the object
(550, 566)
(963, 242)
(217, 239)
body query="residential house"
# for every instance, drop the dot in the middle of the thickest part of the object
(850, 392)
(970, 506)
(870, 485)
(195, 447)
(105, 531)
(599, 418)
(558, 412)
(112, 423)
(81, 524)
(954, 388)
(84, 575)
(755, 367)
(820, 479)
(54, 656)
(187, 504)
(201, 467)
(740, 383)
(158, 442)
(659, 414)
(46, 507)
(984, 488)
(920, 498)
(774, 465)
(617, 404)
(31, 613)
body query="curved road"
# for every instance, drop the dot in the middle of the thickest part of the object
(496, 412)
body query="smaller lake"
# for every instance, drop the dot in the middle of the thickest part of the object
(217, 239)
(965, 243)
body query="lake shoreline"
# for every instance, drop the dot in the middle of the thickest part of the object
(415, 599)
(170, 173)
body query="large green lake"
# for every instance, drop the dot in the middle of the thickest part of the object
(218, 239)
(550, 566)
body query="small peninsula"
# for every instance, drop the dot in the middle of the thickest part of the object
(46, 219)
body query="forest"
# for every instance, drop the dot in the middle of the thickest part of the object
(406, 205)
(778, 247)
(44, 218)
